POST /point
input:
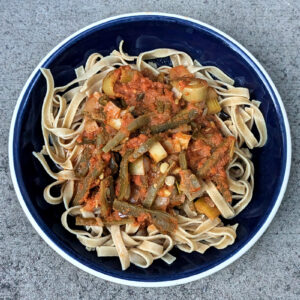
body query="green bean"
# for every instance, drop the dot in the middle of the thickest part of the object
(223, 187)
(101, 198)
(182, 160)
(168, 125)
(80, 221)
(153, 189)
(160, 106)
(115, 141)
(138, 123)
(83, 166)
(178, 120)
(124, 177)
(123, 221)
(207, 139)
(143, 148)
(196, 134)
(162, 220)
(167, 106)
(87, 182)
(86, 141)
(100, 139)
(194, 125)
(117, 148)
(99, 116)
(111, 190)
(128, 209)
(214, 158)
(191, 113)
(122, 103)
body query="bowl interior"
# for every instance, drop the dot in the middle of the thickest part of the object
(143, 33)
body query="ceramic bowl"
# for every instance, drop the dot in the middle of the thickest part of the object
(142, 32)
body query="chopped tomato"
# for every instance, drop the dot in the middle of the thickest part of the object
(112, 111)
(180, 72)
(136, 141)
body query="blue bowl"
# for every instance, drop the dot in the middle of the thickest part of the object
(142, 32)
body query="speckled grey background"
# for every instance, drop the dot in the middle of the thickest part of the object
(29, 269)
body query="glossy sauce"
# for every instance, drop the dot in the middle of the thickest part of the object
(150, 96)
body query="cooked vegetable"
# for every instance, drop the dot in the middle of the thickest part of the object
(115, 141)
(182, 160)
(215, 157)
(103, 100)
(109, 82)
(160, 106)
(88, 181)
(143, 148)
(141, 151)
(111, 191)
(176, 147)
(124, 177)
(176, 200)
(154, 188)
(157, 152)
(203, 207)
(138, 123)
(86, 141)
(100, 139)
(112, 110)
(163, 221)
(126, 75)
(193, 90)
(223, 187)
(180, 119)
(115, 123)
(189, 184)
(164, 167)
(164, 192)
(123, 221)
(170, 180)
(137, 167)
(120, 136)
(180, 72)
(83, 166)
(101, 197)
(182, 139)
(80, 221)
(212, 103)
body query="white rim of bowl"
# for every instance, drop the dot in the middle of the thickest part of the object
(220, 266)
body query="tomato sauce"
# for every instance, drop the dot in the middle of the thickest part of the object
(144, 93)
(147, 96)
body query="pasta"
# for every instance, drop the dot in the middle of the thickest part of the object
(150, 158)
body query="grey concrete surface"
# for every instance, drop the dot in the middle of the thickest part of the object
(29, 269)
